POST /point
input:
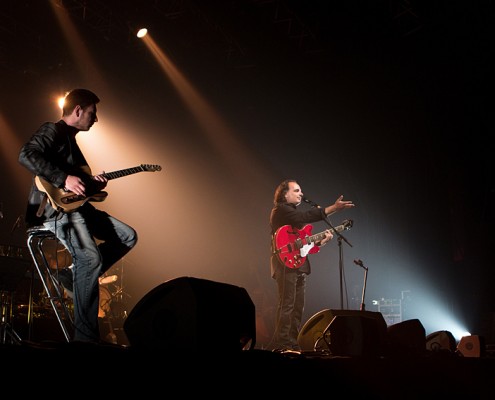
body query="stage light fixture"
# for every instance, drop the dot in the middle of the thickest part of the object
(142, 33)
(472, 346)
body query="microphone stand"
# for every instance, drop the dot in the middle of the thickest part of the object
(341, 253)
(360, 263)
(341, 261)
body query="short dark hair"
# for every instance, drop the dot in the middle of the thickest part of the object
(78, 97)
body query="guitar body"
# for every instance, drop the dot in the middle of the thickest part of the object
(66, 201)
(292, 245)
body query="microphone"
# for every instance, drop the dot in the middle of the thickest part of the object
(306, 200)
(360, 263)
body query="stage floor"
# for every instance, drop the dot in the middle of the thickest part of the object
(119, 369)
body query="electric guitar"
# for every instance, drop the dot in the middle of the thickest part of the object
(292, 245)
(63, 200)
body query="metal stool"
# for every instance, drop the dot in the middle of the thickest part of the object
(36, 238)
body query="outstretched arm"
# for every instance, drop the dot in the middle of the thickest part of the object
(338, 205)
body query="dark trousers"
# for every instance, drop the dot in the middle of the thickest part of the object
(291, 284)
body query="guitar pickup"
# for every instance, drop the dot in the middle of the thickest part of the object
(72, 199)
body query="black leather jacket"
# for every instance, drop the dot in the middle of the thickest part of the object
(51, 153)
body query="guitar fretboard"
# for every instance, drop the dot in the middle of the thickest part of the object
(133, 170)
(122, 172)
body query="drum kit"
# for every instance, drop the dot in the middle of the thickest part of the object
(15, 262)
(111, 295)
(20, 287)
(112, 310)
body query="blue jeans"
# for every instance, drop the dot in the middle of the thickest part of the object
(96, 241)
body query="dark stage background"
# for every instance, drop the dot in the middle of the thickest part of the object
(389, 103)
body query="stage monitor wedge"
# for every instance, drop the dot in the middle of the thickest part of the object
(344, 332)
(190, 314)
(440, 341)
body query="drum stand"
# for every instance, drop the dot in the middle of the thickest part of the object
(7, 332)
(13, 268)
(36, 238)
(118, 296)
(112, 313)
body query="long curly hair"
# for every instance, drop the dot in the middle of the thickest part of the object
(281, 191)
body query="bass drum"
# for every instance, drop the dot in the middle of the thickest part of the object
(105, 301)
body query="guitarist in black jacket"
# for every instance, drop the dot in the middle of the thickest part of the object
(291, 277)
(95, 239)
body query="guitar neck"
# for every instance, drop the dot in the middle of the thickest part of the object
(316, 238)
(320, 236)
(123, 172)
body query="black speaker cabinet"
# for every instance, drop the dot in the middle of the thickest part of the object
(406, 338)
(344, 332)
(189, 314)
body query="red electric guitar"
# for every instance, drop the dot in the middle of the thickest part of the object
(292, 245)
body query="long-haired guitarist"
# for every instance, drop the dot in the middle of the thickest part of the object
(289, 261)
(95, 239)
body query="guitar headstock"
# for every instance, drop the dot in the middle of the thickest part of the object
(151, 167)
(347, 224)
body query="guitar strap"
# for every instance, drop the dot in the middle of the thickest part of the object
(274, 245)
(41, 208)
